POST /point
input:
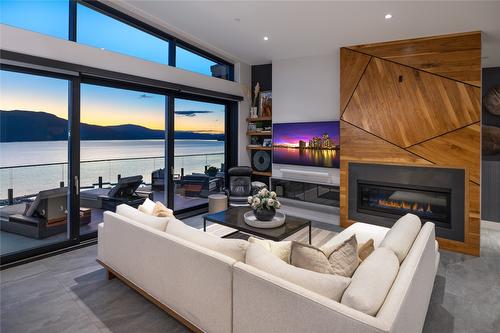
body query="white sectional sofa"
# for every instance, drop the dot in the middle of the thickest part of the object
(211, 292)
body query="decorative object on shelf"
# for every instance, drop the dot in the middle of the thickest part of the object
(253, 109)
(254, 112)
(261, 160)
(277, 221)
(491, 101)
(252, 127)
(264, 204)
(267, 143)
(265, 104)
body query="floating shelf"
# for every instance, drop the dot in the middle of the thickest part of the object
(260, 133)
(251, 120)
(262, 173)
(249, 147)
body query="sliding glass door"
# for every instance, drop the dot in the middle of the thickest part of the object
(199, 152)
(122, 149)
(34, 211)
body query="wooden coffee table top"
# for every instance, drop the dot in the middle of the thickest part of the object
(233, 218)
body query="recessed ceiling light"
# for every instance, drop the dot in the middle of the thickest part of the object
(266, 38)
(388, 16)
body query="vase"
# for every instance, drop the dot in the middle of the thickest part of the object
(265, 214)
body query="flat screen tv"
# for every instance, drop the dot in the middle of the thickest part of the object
(310, 144)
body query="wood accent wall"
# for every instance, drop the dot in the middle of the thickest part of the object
(415, 102)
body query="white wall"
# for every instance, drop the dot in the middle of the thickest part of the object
(243, 75)
(305, 90)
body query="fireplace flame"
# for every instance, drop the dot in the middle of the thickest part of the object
(415, 206)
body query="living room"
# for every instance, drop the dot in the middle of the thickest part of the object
(249, 166)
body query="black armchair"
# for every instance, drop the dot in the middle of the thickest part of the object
(240, 186)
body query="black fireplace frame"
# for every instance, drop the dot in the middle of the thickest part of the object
(407, 176)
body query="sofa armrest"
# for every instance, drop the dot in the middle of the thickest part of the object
(265, 303)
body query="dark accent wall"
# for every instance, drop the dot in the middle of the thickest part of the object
(264, 75)
(490, 184)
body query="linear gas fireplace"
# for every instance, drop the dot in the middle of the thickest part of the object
(380, 194)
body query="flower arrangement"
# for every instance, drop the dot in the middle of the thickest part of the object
(264, 204)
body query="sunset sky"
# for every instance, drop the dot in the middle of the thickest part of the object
(101, 105)
(106, 106)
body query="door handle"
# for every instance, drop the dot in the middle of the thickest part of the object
(77, 186)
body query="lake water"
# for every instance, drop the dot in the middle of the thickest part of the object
(99, 158)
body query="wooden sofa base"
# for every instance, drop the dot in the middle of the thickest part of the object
(111, 273)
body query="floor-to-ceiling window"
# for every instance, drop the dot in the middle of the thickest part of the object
(199, 151)
(33, 161)
(122, 147)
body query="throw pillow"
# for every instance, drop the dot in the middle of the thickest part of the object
(147, 207)
(280, 249)
(343, 260)
(330, 286)
(162, 211)
(365, 249)
(234, 248)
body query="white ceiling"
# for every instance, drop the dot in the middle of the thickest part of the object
(303, 28)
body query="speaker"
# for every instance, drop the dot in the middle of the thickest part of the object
(261, 160)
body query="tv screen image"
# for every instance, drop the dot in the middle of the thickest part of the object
(310, 144)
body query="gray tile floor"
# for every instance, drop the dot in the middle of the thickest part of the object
(70, 293)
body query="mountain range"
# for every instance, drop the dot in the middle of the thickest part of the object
(19, 125)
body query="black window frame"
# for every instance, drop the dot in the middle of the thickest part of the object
(138, 24)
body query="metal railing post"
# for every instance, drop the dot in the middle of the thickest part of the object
(10, 196)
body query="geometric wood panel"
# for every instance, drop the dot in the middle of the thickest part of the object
(456, 56)
(350, 73)
(405, 110)
(406, 106)
(457, 148)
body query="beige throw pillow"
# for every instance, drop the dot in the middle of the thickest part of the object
(280, 249)
(161, 211)
(343, 260)
(365, 249)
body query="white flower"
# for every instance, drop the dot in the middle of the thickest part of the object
(270, 202)
(277, 204)
(273, 194)
(264, 192)
(256, 201)
(249, 199)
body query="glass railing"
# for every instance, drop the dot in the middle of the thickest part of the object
(20, 182)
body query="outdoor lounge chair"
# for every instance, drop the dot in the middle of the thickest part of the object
(125, 191)
(45, 216)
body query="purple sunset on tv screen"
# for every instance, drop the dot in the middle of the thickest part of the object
(310, 144)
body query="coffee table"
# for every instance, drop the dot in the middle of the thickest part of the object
(233, 218)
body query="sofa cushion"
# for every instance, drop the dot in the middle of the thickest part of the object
(280, 249)
(147, 207)
(161, 211)
(234, 248)
(158, 223)
(372, 281)
(342, 261)
(400, 237)
(330, 286)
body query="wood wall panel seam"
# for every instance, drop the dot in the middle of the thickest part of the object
(342, 78)
(415, 68)
(437, 136)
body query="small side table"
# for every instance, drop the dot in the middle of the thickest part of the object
(217, 203)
